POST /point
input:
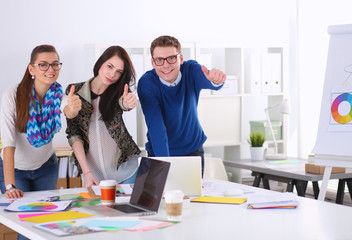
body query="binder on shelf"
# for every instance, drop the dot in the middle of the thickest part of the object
(276, 71)
(253, 76)
(266, 83)
(63, 167)
(271, 72)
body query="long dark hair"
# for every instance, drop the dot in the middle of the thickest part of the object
(24, 90)
(109, 100)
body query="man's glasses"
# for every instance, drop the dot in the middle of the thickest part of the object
(170, 59)
(44, 66)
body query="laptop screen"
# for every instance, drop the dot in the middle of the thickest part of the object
(150, 182)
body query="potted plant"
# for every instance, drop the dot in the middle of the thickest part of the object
(256, 140)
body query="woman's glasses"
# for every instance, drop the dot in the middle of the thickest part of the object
(44, 66)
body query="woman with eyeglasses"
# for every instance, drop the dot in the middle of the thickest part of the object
(102, 146)
(29, 119)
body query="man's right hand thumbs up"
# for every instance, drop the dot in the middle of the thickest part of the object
(74, 104)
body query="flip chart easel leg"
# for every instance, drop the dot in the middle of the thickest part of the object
(324, 185)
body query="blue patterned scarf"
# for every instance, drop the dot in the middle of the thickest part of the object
(45, 122)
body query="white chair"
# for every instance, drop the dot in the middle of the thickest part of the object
(214, 168)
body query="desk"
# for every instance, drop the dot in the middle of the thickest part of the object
(291, 173)
(311, 220)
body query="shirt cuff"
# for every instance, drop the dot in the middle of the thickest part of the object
(217, 85)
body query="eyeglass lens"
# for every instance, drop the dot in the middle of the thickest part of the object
(45, 66)
(170, 60)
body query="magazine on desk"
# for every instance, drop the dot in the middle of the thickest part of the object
(38, 206)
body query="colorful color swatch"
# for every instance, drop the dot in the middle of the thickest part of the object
(335, 108)
(39, 206)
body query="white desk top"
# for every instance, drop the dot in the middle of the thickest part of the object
(311, 220)
(294, 170)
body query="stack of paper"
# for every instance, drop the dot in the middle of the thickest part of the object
(278, 200)
(227, 200)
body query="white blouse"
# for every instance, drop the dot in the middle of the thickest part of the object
(103, 151)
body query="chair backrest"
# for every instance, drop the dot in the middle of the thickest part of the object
(214, 168)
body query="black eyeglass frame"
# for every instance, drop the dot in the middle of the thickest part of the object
(163, 59)
(52, 65)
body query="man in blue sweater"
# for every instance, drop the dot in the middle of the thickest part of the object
(169, 97)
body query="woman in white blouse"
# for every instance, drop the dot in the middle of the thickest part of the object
(102, 146)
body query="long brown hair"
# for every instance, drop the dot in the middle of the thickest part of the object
(111, 96)
(24, 90)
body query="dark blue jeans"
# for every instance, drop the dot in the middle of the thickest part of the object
(198, 152)
(41, 179)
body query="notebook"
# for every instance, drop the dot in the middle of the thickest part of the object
(185, 174)
(147, 191)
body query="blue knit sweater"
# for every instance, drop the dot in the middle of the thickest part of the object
(171, 112)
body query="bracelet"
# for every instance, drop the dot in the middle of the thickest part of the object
(87, 173)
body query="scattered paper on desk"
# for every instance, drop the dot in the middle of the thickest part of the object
(22, 216)
(5, 201)
(147, 224)
(277, 200)
(213, 187)
(30, 206)
(85, 202)
(60, 216)
(37, 196)
(108, 223)
(70, 197)
(65, 228)
(227, 200)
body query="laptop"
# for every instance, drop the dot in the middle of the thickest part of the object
(185, 174)
(146, 194)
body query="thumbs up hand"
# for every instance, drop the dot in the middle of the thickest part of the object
(129, 100)
(214, 75)
(74, 104)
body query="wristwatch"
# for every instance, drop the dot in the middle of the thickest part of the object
(9, 186)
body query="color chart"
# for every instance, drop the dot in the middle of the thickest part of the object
(341, 108)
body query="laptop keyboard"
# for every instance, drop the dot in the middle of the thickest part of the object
(126, 208)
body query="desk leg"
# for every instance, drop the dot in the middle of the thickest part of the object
(266, 183)
(289, 186)
(349, 185)
(324, 185)
(340, 191)
(316, 189)
(301, 187)
(257, 178)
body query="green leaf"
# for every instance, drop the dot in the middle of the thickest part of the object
(256, 139)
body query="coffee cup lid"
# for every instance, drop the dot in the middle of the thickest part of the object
(173, 196)
(107, 183)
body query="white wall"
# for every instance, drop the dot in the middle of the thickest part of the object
(70, 24)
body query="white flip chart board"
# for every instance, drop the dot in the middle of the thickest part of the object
(335, 122)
